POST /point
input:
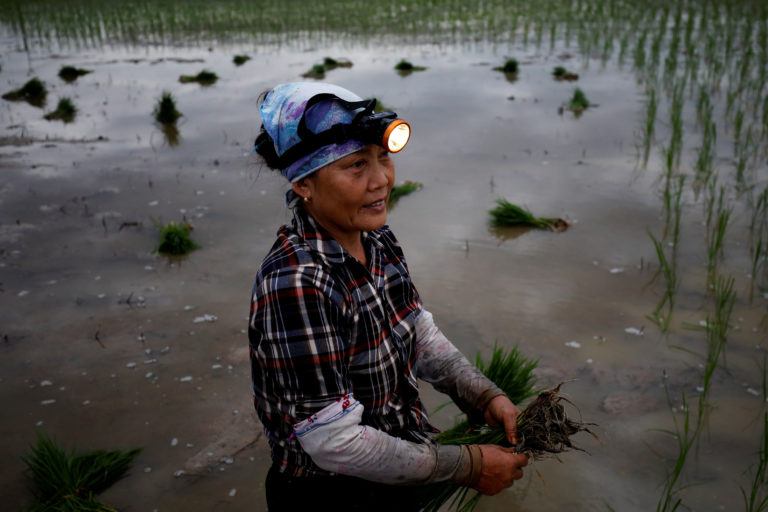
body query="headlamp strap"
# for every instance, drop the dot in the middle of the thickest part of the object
(336, 134)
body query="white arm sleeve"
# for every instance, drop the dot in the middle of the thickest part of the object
(441, 364)
(337, 442)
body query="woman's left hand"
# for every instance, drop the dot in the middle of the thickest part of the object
(500, 411)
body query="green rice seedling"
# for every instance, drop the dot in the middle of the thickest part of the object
(579, 101)
(239, 60)
(757, 500)
(204, 77)
(650, 124)
(511, 67)
(560, 73)
(65, 111)
(70, 482)
(71, 73)
(685, 434)
(716, 236)
(668, 269)
(405, 68)
(33, 92)
(738, 125)
(175, 239)
(317, 72)
(401, 190)
(330, 63)
(639, 52)
(508, 214)
(165, 111)
(706, 153)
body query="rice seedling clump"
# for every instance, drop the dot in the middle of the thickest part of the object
(165, 110)
(204, 77)
(71, 73)
(508, 214)
(239, 60)
(560, 73)
(70, 482)
(33, 92)
(175, 239)
(405, 68)
(401, 190)
(65, 111)
(511, 66)
(579, 101)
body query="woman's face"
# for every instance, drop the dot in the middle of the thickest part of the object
(350, 195)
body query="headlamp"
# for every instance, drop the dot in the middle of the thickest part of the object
(383, 129)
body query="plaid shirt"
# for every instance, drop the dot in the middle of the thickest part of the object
(322, 325)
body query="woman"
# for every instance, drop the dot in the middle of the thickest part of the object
(338, 334)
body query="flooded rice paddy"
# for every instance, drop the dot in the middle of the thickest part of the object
(106, 344)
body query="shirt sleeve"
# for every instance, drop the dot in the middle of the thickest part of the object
(441, 364)
(302, 348)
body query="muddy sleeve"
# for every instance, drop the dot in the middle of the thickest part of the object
(441, 364)
(337, 442)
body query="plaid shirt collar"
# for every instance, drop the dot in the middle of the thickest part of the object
(322, 242)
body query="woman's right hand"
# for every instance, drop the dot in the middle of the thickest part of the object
(501, 467)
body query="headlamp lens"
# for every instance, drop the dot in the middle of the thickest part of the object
(396, 135)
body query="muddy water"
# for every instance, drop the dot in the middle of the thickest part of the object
(108, 345)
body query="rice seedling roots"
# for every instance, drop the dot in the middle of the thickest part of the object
(544, 429)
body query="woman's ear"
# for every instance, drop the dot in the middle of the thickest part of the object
(302, 189)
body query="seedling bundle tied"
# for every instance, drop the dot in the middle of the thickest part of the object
(544, 428)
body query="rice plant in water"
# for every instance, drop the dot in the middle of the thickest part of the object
(508, 214)
(317, 72)
(175, 239)
(578, 101)
(204, 77)
(165, 110)
(401, 190)
(560, 73)
(33, 92)
(757, 499)
(239, 60)
(405, 68)
(71, 73)
(511, 66)
(65, 111)
(70, 482)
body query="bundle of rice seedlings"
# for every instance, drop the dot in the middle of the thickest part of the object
(401, 190)
(71, 73)
(317, 72)
(543, 428)
(560, 73)
(33, 92)
(579, 101)
(239, 60)
(511, 66)
(405, 68)
(204, 77)
(508, 214)
(175, 239)
(62, 482)
(65, 111)
(165, 111)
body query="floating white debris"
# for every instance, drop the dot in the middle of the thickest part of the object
(101, 295)
(39, 423)
(154, 203)
(22, 293)
(699, 389)
(235, 412)
(617, 270)
(190, 445)
(52, 281)
(130, 365)
(150, 361)
(187, 378)
(86, 402)
(573, 344)
(140, 337)
(753, 391)
(216, 367)
(589, 361)
(48, 402)
(188, 308)
(165, 349)
(232, 493)
(147, 469)
(228, 460)
(148, 375)
(46, 383)
(175, 441)
(149, 267)
(633, 330)
(205, 318)
(179, 472)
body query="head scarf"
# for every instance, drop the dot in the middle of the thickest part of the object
(282, 110)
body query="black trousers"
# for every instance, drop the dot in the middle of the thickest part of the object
(339, 492)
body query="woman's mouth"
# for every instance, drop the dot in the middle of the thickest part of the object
(375, 205)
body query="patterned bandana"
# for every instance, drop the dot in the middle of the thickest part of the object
(282, 110)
